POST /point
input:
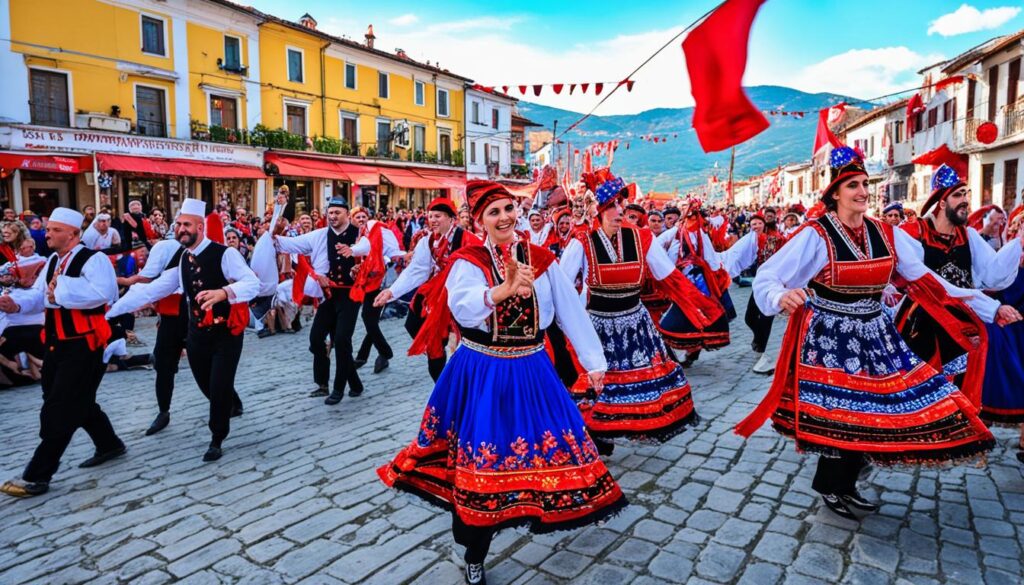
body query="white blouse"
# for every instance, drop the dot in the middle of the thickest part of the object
(670, 242)
(806, 254)
(556, 298)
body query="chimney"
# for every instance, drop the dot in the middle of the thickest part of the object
(401, 53)
(370, 36)
(308, 21)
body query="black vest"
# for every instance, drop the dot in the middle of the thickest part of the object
(204, 272)
(611, 301)
(878, 248)
(340, 271)
(65, 316)
(950, 262)
(515, 322)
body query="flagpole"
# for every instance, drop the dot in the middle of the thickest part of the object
(732, 164)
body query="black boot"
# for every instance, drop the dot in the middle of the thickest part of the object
(475, 574)
(381, 364)
(835, 503)
(101, 458)
(159, 423)
(213, 453)
(320, 392)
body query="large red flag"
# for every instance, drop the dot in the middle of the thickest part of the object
(716, 56)
(824, 136)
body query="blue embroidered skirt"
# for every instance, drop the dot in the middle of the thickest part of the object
(501, 444)
(1002, 395)
(682, 334)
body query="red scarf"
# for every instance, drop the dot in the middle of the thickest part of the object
(371, 270)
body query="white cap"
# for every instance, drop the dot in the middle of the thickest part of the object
(193, 207)
(67, 217)
(534, 212)
(103, 216)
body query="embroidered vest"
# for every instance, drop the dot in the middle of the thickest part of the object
(64, 324)
(614, 282)
(853, 274)
(340, 271)
(515, 322)
(203, 272)
(948, 256)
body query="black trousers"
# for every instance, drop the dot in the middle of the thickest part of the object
(71, 376)
(336, 317)
(22, 338)
(477, 540)
(760, 324)
(170, 340)
(838, 475)
(213, 355)
(563, 359)
(413, 322)
(374, 337)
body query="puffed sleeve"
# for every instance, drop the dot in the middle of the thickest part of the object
(467, 286)
(910, 265)
(34, 299)
(303, 244)
(245, 286)
(993, 270)
(143, 293)
(575, 322)
(573, 261)
(96, 287)
(660, 262)
(416, 273)
(670, 243)
(741, 255)
(793, 266)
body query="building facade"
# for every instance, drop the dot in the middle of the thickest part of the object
(488, 133)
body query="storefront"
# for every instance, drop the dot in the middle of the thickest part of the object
(38, 183)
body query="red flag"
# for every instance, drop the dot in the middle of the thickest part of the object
(536, 89)
(522, 89)
(584, 86)
(598, 88)
(572, 88)
(504, 89)
(629, 84)
(824, 136)
(716, 56)
(558, 88)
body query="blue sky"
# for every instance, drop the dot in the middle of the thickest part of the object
(865, 48)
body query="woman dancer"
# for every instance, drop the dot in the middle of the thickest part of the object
(501, 443)
(846, 385)
(646, 395)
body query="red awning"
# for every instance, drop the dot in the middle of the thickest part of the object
(450, 179)
(361, 174)
(177, 167)
(46, 163)
(300, 166)
(944, 156)
(409, 179)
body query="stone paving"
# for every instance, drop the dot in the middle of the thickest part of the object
(296, 499)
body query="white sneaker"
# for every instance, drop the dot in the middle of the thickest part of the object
(475, 574)
(765, 365)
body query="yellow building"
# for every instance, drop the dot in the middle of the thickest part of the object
(158, 100)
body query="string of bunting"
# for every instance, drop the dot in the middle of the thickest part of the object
(558, 88)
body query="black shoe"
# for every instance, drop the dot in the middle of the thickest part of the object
(334, 398)
(24, 489)
(159, 423)
(857, 501)
(264, 333)
(838, 506)
(320, 392)
(297, 323)
(212, 454)
(101, 458)
(475, 574)
(355, 391)
(358, 363)
(381, 364)
(604, 447)
(237, 411)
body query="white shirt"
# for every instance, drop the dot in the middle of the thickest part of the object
(556, 298)
(159, 256)
(96, 287)
(740, 255)
(806, 254)
(313, 244)
(391, 249)
(94, 240)
(990, 270)
(538, 238)
(421, 267)
(669, 240)
(243, 284)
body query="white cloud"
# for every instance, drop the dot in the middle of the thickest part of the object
(404, 20)
(865, 73)
(968, 19)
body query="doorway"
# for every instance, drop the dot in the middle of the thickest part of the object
(45, 196)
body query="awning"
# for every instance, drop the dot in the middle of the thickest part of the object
(361, 174)
(177, 167)
(409, 179)
(450, 179)
(300, 166)
(46, 163)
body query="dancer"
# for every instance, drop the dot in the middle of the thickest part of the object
(846, 385)
(217, 286)
(429, 259)
(375, 248)
(893, 213)
(75, 289)
(646, 395)
(332, 263)
(950, 337)
(500, 443)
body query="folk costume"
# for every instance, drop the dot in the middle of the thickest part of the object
(951, 337)
(336, 316)
(213, 343)
(429, 259)
(846, 385)
(75, 334)
(376, 246)
(501, 443)
(646, 395)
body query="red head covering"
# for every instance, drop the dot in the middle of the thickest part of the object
(977, 219)
(443, 204)
(1014, 214)
(817, 210)
(215, 228)
(480, 194)
(558, 215)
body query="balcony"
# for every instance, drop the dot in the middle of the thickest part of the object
(1009, 122)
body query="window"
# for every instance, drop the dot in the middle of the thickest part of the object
(350, 75)
(442, 103)
(897, 133)
(993, 97)
(871, 147)
(295, 118)
(444, 146)
(223, 111)
(383, 137)
(232, 53)
(420, 93)
(476, 112)
(919, 121)
(296, 69)
(494, 118)
(153, 36)
(1013, 79)
(49, 98)
(420, 138)
(350, 131)
(947, 111)
(472, 153)
(383, 85)
(151, 111)
(933, 117)
(988, 173)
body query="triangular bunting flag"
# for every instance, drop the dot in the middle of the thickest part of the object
(598, 88)
(558, 88)
(536, 89)
(522, 89)
(583, 87)
(572, 88)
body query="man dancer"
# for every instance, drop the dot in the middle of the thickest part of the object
(75, 289)
(217, 286)
(655, 222)
(671, 216)
(429, 259)
(329, 249)
(377, 245)
(893, 213)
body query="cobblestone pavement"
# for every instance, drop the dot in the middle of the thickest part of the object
(296, 498)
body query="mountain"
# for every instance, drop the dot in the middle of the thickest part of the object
(680, 162)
